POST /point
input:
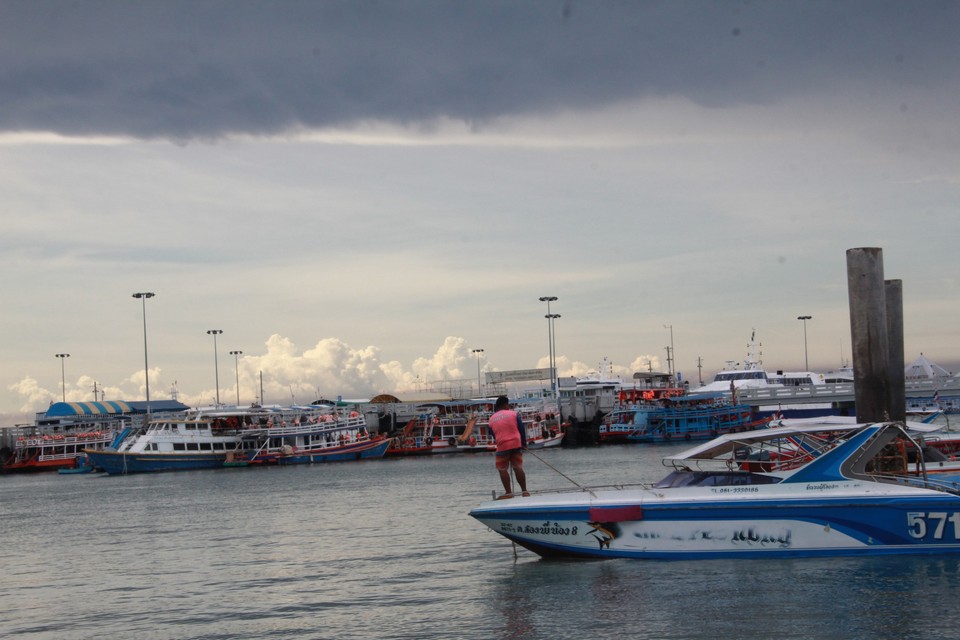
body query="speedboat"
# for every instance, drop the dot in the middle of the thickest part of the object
(788, 491)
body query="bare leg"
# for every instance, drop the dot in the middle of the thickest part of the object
(521, 479)
(505, 479)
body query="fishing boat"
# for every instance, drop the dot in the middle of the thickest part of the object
(677, 419)
(439, 427)
(541, 427)
(779, 492)
(256, 435)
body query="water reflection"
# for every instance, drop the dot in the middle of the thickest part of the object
(784, 599)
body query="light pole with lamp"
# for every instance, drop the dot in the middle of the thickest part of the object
(479, 384)
(806, 361)
(63, 380)
(216, 366)
(236, 367)
(550, 360)
(143, 297)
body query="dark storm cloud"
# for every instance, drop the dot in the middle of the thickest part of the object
(207, 68)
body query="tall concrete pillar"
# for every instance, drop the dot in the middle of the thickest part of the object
(868, 329)
(897, 398)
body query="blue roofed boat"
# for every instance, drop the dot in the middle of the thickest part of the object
(678, 419)
(792, 491)
(57, 438)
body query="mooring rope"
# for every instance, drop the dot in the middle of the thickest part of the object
(575, 483)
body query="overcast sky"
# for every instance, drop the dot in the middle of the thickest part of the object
(358, 194)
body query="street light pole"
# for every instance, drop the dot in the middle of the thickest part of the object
(143, 296)
(479, 384)
(672, 360)
(63, 380)
(551, 317)
(236, 367)
(806, 361)
(216, 366)
(550, 344)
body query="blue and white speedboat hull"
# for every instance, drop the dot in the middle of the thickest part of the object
(819, 494)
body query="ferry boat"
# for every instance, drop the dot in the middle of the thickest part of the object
(786, 491)
(678, 419)
(256, 435)
(60, 434)
(750, 374)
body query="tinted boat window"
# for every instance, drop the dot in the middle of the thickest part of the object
(712, 479)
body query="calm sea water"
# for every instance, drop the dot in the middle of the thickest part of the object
(385, 549)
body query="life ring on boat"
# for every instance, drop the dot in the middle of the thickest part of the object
(354, 414)
(473, 441)
(452, 441)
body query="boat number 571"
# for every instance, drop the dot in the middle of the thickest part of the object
(920, 523)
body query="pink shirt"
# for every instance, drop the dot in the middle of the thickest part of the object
(504, 426)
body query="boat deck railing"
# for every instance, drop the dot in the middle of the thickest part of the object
(293, 429)
(585, 489)
(809, 393)
(947, 486)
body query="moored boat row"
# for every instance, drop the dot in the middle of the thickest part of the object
(218, 437)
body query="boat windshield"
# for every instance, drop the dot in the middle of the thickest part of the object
(713, 479)
(739, 375)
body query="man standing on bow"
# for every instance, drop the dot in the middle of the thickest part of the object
(511, 437)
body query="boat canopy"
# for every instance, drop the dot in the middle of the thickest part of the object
(728, 442)
(108, 407)
(67, 409)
